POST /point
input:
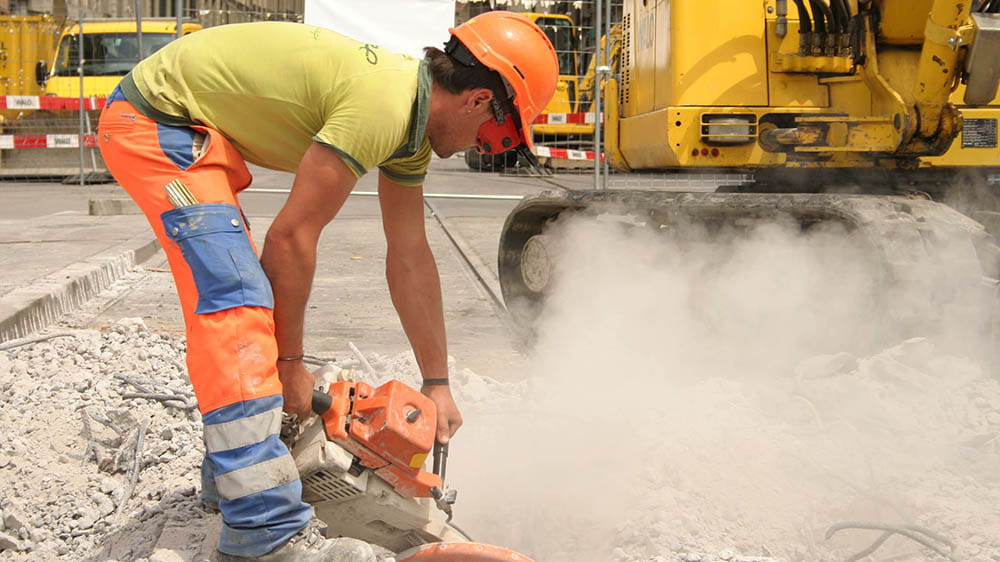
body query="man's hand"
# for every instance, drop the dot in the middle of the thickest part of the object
(449, 419)
(297, 387)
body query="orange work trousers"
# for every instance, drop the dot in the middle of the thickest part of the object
(227, 304)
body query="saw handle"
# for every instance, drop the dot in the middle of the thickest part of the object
(440, 459)
(321, 402)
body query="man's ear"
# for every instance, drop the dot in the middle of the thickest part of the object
(478, 98)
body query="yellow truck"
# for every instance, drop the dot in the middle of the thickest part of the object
(24, 42)
(110, 50)
(40, 67)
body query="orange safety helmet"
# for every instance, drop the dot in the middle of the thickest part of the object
(519, 51)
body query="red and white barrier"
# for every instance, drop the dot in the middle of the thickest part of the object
(563, 118)
(30, 103)
(49, 102)
(564, 153)
(46, 141)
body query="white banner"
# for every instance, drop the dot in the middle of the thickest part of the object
(400, 26)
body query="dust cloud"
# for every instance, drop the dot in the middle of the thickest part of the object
(730, 399)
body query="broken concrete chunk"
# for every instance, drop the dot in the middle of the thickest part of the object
(86, 521)
(14, 518)
(109, 485)
(8, 542)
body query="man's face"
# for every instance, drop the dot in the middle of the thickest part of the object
(458, 131)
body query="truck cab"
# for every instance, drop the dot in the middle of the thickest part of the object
(110, 50)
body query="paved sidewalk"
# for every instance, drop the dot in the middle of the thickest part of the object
(61, 245)
(54, 263)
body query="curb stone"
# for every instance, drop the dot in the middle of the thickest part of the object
(28, 309)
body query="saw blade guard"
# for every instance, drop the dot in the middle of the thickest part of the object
(461, 552)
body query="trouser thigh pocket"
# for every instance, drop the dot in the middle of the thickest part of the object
(215, 244)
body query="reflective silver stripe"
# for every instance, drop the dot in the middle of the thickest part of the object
(242, 432)
(257, 478)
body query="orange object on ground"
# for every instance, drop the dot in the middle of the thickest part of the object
(461, 552)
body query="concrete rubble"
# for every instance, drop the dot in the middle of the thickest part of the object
(100, 437)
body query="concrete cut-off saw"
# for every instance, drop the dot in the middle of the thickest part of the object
(361, 463)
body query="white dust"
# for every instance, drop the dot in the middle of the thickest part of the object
(710, 401)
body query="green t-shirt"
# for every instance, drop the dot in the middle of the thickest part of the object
(274, 87)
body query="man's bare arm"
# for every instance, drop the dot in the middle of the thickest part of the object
(321, 186)
(416, 293)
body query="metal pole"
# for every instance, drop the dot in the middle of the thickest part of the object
(180, 17)
(138, 27)
(597, 95)
(607, 63)
(80, 72)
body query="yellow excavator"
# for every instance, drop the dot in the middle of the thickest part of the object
(877, 115)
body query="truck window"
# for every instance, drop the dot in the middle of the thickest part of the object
(560, 32)
(106, 54)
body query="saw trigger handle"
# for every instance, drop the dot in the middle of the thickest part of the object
(321, 402)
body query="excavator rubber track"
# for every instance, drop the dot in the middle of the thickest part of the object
(916, 240)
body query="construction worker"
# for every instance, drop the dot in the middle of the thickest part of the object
(176, 134)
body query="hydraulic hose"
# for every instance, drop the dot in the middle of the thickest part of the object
(805, 27)
(805, 22)
(836, 21)
(844, 48)
(845, 15)
(820, 17)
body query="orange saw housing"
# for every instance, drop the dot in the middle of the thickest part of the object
(390, 429)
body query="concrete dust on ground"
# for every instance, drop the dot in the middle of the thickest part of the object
(101, 444)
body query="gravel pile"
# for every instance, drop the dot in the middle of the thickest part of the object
(100, 442)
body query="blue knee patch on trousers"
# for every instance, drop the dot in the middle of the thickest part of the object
(216, 246)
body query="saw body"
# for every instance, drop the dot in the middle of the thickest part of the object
(361, 466)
